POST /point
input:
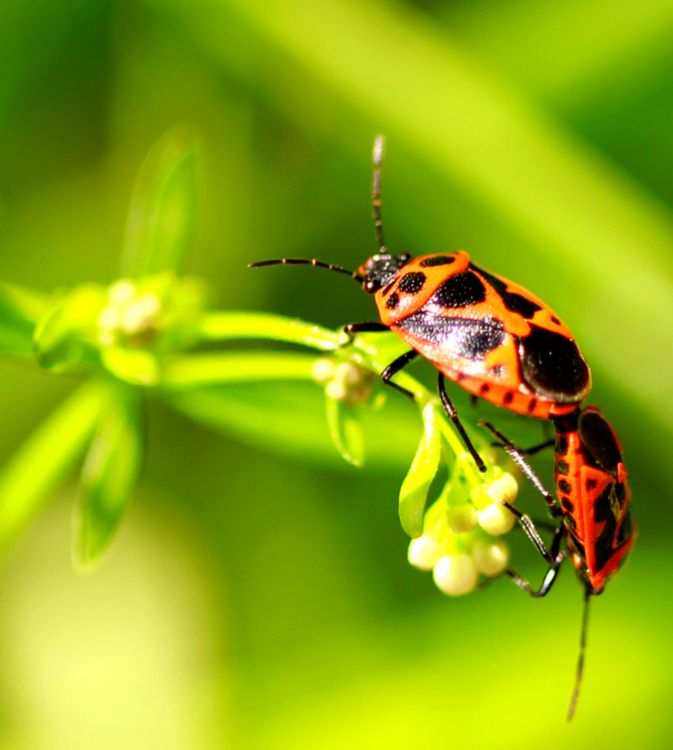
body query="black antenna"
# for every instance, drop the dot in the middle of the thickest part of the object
(580, 660)
(377, 158)
(306, 262)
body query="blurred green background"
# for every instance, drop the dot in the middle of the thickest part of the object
(258, 594)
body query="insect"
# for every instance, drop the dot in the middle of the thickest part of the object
(488, 334)
(592, 502)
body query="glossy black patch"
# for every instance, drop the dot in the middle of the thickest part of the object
(564, 486)
(599, 441)
(457, 337)
(561, 444)
(519, 304)
(552, 365)
(436, 260)
(393, 301)
(515, 302)
(603, 512)
(412, 282)
(567, 505)
(461, 290)
(625, 530)
(562, 467)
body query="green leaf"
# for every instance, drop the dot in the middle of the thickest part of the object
(61, 338)
(289, 419)
(109, 475)
(345, 429)
(416, 484)
(43, 459)
(161, 214)
(16, 325)
(135, 366)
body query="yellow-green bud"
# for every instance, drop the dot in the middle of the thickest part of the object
(491, 558)
(423, 553)
(495, 519)
(461, 517)
(455, 574)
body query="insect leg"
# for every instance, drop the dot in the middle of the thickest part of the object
(352, 328)
(394, 367)
(555, 558)
(452, 414)
(518, 458)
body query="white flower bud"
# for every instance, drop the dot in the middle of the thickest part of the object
(141, 314)
(491, 558)
(502, 490)
(349, 372)
(495, 519)
(121, 292)
(424, 552)
(455, 574)
(461, 517)
(323, 370)
(336, 390)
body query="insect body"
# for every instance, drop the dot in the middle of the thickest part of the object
(493, 337)
(592, 500)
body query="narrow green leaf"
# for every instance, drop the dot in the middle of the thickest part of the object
(29, 476)
(345, 429)
(109, 474)
(416, 484)
(193, 370)
(289, 419)
(16, 326)
(161, 214)
(60, 337)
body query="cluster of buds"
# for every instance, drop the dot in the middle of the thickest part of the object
(146, 312)
(345, 381)
(461, 539)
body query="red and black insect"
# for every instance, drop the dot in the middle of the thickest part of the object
(493, 337)
(592, 502)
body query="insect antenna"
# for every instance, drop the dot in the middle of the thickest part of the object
(377, 158)
(580, 661)
(306, 262)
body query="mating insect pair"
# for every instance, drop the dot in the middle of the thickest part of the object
(503, 344)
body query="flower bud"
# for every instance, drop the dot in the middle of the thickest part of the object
(424, 551)
(455, 574)
(495, 519)
(461, 517)
(323, 370)
(491, 558)
(502, 490)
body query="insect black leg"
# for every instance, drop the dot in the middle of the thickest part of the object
(537, 448)
(547, 581)
(394, 367)
(518, 458)
(451, 413)
(352, 328)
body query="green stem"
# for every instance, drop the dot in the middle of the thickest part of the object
(225, 326)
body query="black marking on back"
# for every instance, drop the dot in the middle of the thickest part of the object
(519, 304)
(562, 467)
(567, 504)
(512, 300)
(591, 484)
(604, 511)
(461, 290)
(393, 301)
(411, 282)
(458, 337)
(599, 441)
(436, 260)
(508, 398)
(564, 486)
(561, 444)
(552, 365)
